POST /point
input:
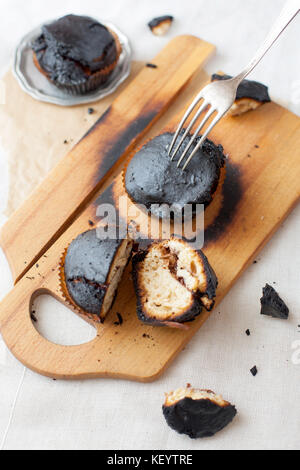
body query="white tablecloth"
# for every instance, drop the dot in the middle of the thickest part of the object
(38, 413)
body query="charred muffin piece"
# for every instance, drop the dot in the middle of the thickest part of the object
(153, 180)
(172, 282)
(250, 95)
(76, 53)
(272, 305)
(197, 413)
(93, 269)
(159, 26)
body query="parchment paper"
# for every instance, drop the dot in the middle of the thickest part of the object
(36, 135)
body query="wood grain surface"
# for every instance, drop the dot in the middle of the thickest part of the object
(262, 186)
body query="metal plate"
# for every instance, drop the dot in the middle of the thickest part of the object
(39, 87)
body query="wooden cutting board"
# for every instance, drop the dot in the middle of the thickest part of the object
(261, 187)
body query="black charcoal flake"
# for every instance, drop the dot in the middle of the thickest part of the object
(272, 305)
(197, 413)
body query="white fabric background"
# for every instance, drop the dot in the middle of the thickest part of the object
(38, 413)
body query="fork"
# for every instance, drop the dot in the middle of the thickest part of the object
(220, 96)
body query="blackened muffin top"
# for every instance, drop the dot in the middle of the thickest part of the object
(90, 257)
(87, 267)
(152, 178)
(197, 413)
(73, 47)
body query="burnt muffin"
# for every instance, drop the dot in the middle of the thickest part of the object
(272, 304)
(250, 95)
(160, 25)
(76, 53)
(173, 282)
(197, 413)
(151, 179)
(92, 269)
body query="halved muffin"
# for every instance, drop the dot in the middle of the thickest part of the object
(92, 270)
(172, 283)
(272, 304)
(197, 413)
(76, 53)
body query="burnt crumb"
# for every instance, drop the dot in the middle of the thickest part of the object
(91, 111)
(256, 146)
(248, 332)
(37, 265)
(272, 305)
(197, 413)
(30, 278)
(255, 262)
(254, 371)
(33, 317)
(146, 336)
(120, 320)
(151, 66)
(91, 223)
(88, 264)
(159, 26)
(66, 142)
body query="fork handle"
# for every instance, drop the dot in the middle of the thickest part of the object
(290, 10)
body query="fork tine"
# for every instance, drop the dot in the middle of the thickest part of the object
(200, 110)
(202, 140)
(186, 115)
(204, 120)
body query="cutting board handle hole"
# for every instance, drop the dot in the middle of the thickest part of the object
(58, 324)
